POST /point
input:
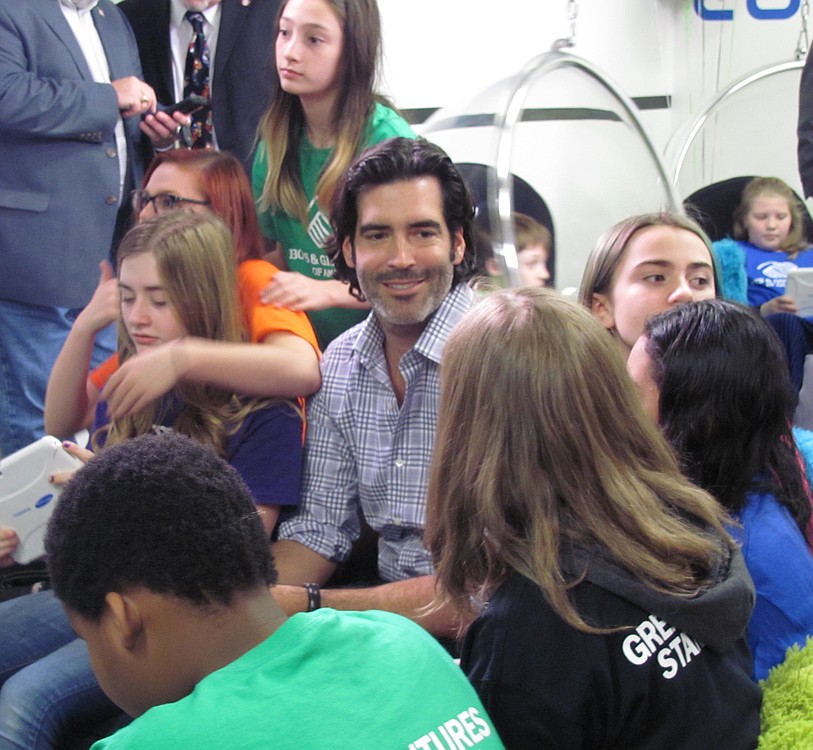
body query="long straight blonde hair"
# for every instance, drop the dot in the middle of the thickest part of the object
(196, 264)
(282, 126)
(542, 444)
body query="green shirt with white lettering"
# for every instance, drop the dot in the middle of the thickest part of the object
(304, 246)
(325, 680)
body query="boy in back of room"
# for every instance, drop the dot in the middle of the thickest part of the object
(534, 244)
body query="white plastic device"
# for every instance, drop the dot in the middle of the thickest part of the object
(27, 498)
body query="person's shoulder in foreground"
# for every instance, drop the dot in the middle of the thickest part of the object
(655, 682)
(319, 681)
(161, 563)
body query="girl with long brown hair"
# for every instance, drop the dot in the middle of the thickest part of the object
(612, 603)
(324, 112)
(177, 277)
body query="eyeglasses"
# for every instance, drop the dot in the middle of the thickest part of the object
(162, 203)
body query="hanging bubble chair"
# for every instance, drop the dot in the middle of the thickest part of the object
(735, 137)
(561, 136)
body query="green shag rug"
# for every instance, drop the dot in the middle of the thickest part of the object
(787, 702)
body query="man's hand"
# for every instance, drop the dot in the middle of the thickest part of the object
(291, 599)
(162, 129)
(134, 96)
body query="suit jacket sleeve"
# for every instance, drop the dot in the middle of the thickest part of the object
(49, 103)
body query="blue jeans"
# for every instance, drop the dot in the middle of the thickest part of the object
(31, 337)
(48, 686)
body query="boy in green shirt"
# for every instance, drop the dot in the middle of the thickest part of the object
(161, 563)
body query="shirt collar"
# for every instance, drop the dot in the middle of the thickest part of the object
(80, 6)
(178, 11)
(454, 306)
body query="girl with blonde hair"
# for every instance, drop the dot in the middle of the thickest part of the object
(286, 364)
(767, 242)
(177, 277)
(612, 602)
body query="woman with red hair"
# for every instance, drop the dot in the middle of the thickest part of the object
(287, 363)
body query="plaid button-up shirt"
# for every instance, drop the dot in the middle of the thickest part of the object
(363, 451)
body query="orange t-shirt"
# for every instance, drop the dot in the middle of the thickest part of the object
(261, 320)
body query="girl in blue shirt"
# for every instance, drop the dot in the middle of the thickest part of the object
(769, 236)
(710, 374)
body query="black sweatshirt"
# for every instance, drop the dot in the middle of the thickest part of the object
(678, 676)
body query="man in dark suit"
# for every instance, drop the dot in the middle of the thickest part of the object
(243, 32)
(70, 99)
(805, 128)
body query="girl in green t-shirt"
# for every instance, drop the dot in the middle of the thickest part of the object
(324, 112)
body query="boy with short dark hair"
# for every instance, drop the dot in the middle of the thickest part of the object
(159, 558)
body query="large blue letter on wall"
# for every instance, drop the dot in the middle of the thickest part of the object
(772, 13)
(761, 14)
(714, 15)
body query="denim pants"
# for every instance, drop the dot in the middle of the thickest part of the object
(31, 337)
(48, 686)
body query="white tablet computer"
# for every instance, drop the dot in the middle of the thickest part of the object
(27, 498)
(800, 287)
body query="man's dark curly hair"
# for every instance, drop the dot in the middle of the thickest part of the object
(161, 512)
(391, 161)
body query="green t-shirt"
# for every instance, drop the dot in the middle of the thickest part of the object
(304, 247)
(325, 679)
